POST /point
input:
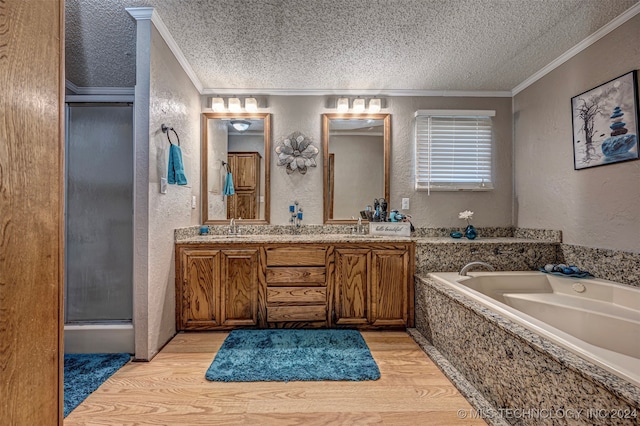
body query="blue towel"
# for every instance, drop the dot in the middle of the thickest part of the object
(228, 185)
(176, 168)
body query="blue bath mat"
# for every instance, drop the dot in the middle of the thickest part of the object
(84, 373)
(284, 355)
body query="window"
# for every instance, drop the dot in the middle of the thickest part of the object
(453, 150)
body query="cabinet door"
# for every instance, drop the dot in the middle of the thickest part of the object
(245, 205)
(246, 170)
(200, 289)
(239, 287)
(389, 282)
(352, 286)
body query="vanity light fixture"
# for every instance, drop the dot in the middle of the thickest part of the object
(217, 104)
(358, 105)
(374, 105)
(251, 104)
(234, 105)
(343, 104)
(240, 125)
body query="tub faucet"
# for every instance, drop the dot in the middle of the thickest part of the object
(465, 268)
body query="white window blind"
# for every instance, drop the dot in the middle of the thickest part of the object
(453, 150)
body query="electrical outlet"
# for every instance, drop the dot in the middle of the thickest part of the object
(405, 204)
(163, 185)
(193, 202)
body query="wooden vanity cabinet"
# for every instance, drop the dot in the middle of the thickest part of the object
(216, 288)
(356, 285)
(296, 282)
(373, 287)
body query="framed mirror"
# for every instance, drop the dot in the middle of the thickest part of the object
(235, 167)
(356, 161)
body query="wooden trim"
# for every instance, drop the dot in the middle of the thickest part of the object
(332, 180)
(61, 221)
(204, 173)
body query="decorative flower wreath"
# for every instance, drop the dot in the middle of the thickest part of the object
(297, 153)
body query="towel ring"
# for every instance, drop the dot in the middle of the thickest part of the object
(166, 129)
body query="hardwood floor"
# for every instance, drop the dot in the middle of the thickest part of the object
(172, 390)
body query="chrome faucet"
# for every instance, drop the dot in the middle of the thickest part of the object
(234, 229)
(465, 268)
(360, 226)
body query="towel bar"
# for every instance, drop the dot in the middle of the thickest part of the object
(165, 129)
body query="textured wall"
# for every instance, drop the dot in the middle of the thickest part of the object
(595, 207)
(440, 209)
(175, 102)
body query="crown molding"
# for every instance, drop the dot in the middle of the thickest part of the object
(140, 13)
(355, 92)
(177, 52)
(614, 24)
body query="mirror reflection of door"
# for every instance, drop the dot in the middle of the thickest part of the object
(356, 169)
(236, 154)
(244, 169)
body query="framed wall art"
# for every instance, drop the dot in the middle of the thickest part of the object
(605, 123)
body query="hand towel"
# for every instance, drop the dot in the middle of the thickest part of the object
(176, 168)
(228, 185)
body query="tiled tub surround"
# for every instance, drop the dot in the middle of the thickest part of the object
(514, 368)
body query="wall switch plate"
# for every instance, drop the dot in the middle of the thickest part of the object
(405, 204)
(163, 185)
(193, 202)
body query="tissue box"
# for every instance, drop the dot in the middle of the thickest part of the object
(391, 229)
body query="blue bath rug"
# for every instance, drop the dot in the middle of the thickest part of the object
(285, 355)
(84, 373)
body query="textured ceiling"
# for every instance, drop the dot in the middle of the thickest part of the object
(454, 45)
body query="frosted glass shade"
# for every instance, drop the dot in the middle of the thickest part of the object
(251, 104)
(358, 105)
(217, 104)
(374, 105)
(234, 105)
(343, 105)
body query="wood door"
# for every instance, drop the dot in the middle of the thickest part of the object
(352, 286)
(389, 282)
(31, 212)
(200, 289)
(239, 287)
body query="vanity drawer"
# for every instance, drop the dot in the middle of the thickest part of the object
(297, 295)
(296, 256)
(309, 276)
(296, 313)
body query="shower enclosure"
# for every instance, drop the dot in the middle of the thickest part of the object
(99, 228)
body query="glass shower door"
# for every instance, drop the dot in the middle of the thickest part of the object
(99, 213)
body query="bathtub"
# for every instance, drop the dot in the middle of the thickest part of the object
(595, 319)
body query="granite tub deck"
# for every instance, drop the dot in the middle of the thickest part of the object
(515, 369)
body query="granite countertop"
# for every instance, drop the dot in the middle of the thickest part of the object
(291, 238)
(345, 238)
(480, 240)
